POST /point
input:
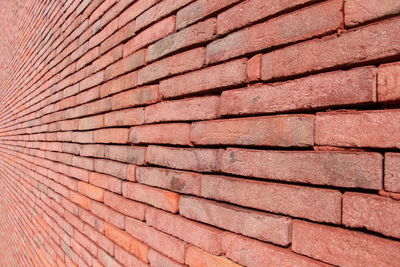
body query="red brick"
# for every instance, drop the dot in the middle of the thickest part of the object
(159, 198)
(88, 58)
(168, 133)
(136, 97)
(128, 154)
(150, 35)
(107, 214)
(194, 159)
(392, 172)
(375, 213)
(250, 252)
(359, 129)
(259, 225)
(91, 122)
(127, 259)
(91, 151)
(124, 33)
(196, 257)
(343, 169)
(107, 59)
(92, 80)
(183, 62)
(125, 206)
(88, 95)
(81, 200)
(135, 10)
(125, 65)
(196, 34)
(349, 48)
(105, 181)
(127, 242)
(91, 191)
(118, 84)
(111, 135)
(106, 259)
(83, 162)
(113, 168)
(254, 68)
(299, 201)
(276, 131)
(208, 79)
(98, 106)
(171, 246)
(316, 91)
(309, 22)
(247, 12)
(188, 109)
(389, 82)
(359, 11)
(200, 9)
(124, 117)
(178, 181)
(342, 247)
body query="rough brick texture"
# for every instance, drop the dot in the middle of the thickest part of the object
(200, 133)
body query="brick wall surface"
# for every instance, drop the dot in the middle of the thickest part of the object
(200, 133)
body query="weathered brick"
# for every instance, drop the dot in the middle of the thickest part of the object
(309, 22)
(200, 235)
(128, 154)
(263, 226)
(136, 97)
(375, 213)
(91, 122)
(342, 247)
(254, 68)
(125, 206)
(349, 48)
(106, 181)
(183, 62)
(250, 252)
(90, 150)
(159, 198)
(178, 181)
(392, 172)
(197, 257)
(91, 191)
(389, 82)
(127, 259)
(107, 59)
(111, 135)
(159, 260)
(107, 214)
(150, 35)
(119, 84)
(276, 131)
(188, 109)
(312, 203)
(316, 91)
(168, 133)
(359, 11)
(359, 129)
(208, 79)
(198, 33)
(126, 117)
(125, 65)
(195, 159)
(110, 167)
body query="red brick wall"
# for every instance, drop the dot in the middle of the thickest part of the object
(202, 133)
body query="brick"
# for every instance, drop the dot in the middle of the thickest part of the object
(198, 10)
(91, 151)
(342, 247)
(188, 109)
(336, 168)
(248, 12)
(171, 246)
(176, 64)
(81, 200)
(249, 252)
(392, 172)
(313, 21)
(91, 191)
(126, 258)
(125, 206)
(168, 133)
(127, 242)
(125, 65)
(110, 167)
(374, 213)
(299, 201)
(83, 162)
(108, 215)
(92, 80)
(254, 68)
(125, 32)
(197, 257)
(159, 260)
(379, 129)
(118, 84)
(107, 59)
(259, 225)
(106, 259)
(276, 131)
(317, 91)
(88, 58)
(88, 95)
(178, 181)
(128, 154)
(159, 198)
(194, 159)
(134, 116)
(347, 49)
(208, 79)
(136, 97)
(105, 181)
(91, 122)
(111, 135)
(358, 11)
(389, 82)
(150, 35)
(196, 34)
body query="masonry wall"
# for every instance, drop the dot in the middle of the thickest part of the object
(200, 133)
